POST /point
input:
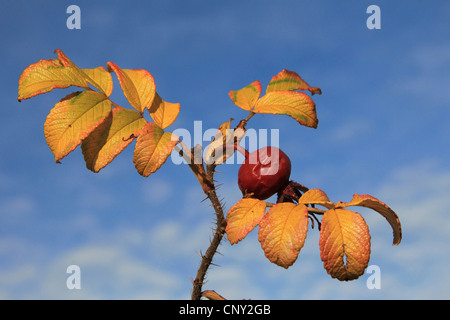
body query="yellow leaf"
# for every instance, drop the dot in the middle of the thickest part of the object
(111, 137)
(73, 119)
(105, 85)
(282, 232)
(162, 112)
(289, 80)
(375, 204)
(138, 86)
(153, 147)
(46, 75)
(246, 97)
(243, 217)
(316, 196)
(297, 105)
(102, 79)
(344, 234)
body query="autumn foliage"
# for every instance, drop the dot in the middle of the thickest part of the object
(90, 118)
(103, 129)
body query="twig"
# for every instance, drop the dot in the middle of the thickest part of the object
(212, 249)
(206, 179)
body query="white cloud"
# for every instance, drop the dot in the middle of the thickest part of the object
(108, 271)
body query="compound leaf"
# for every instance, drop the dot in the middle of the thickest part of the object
(375, 204)
(344, 235)
(153, 147)
(162, 112)
(246, 97)
(243, 217)
(111, 137)
(282, 232)
(297, 105)
(46, 75)
(73, 119)
(138, 86)
(289, 80)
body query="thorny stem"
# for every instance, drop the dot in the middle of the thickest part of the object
(212, 249)
(206, 180)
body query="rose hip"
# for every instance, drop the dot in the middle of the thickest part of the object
(264, 172)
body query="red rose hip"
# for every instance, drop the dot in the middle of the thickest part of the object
(264, 172)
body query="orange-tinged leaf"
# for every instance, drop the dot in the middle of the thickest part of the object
(289, 80)
(153, 147)
(138, 86)
(297, 105)
(46, 75)
(162, 112)
(243, 217)
(111, 137)
(102, 79)
(344, 234)
(98, 77)
(73, 119)
(246, 97)
(64, 59)
(375, 204)
(282, 232)
(316, 196)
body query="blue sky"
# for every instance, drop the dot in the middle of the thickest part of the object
(383, 130)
